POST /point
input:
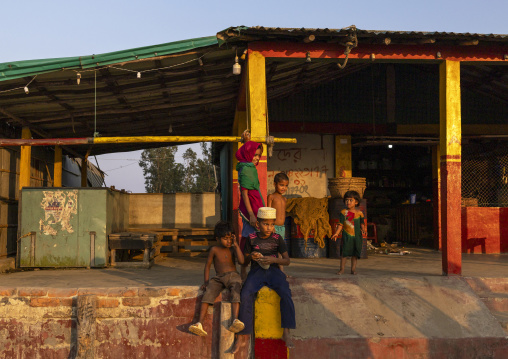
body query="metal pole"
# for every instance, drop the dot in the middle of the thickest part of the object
(135, 139)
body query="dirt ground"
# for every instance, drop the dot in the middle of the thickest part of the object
(188, 271)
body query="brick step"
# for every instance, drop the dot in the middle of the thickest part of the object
(492, 295)
(493, 285)
(496, 304)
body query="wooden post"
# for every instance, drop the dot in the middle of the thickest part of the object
(57, 167)
(84, 171)
(86, 326)
(343, 164)
(450, 146)
(436, 195)
(25, 160)
(257, 110)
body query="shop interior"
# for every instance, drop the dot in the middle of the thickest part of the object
(399, 191)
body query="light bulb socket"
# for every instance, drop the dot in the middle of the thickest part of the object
(138, 75)
(307, 57)
(237, 68)
(78, 79)
(26, 90)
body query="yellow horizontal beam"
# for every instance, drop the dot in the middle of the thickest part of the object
(153, 139)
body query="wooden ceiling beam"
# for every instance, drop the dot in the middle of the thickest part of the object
(35, 129)
(219, 98)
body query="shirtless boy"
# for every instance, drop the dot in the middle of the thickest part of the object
(223, 257)
(278, 201)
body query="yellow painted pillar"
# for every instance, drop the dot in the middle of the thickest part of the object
(57, 167)
(25, 160)
(84, 171)
(436, 195)
(343, 161)
(267, 326)
(450, 147)
(257, 109)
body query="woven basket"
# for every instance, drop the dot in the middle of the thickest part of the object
(339, 186)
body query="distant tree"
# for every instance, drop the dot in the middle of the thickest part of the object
(205, 176)
(162, 173)
(189, 182)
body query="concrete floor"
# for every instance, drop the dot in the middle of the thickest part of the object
(188, 271)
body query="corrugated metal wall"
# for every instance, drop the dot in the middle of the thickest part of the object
(357, 96)
(351, 99)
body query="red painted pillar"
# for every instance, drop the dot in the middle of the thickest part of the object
(263, 174)
(450, 147)
(436, 196)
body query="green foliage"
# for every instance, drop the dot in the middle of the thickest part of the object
(205, 176)
(164, 175)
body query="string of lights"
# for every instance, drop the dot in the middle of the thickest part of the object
(25, 88)
(237, 69)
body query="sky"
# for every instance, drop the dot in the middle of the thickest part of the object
(37, 29)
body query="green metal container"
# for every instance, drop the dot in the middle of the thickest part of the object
(69, 227)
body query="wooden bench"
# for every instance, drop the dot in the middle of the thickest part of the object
(129, 241)
(179, 241)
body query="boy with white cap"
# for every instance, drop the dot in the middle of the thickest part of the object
(262, 248)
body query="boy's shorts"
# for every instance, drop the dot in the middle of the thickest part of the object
(231, 280)
(281, 231)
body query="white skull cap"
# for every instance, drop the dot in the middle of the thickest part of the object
(267, 213)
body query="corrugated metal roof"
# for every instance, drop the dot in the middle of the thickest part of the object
(187, 86)
(247, 34)
(17, 69)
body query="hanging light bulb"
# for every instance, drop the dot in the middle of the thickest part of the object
(307, 57)
(237, 68)
(170, 129)
(138, 75)
(200, 62)
(78, 80)
(26, 90)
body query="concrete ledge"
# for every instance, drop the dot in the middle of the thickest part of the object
(7, 264)
(350, 317)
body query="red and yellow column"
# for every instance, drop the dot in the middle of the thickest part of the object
(436, 195)
(450, 148)
(267, 330)
(257, 109)
(343, 162)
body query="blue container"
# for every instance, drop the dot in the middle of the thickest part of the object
(311, 250)
(306, 249)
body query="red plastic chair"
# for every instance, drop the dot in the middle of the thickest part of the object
(374, 232)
